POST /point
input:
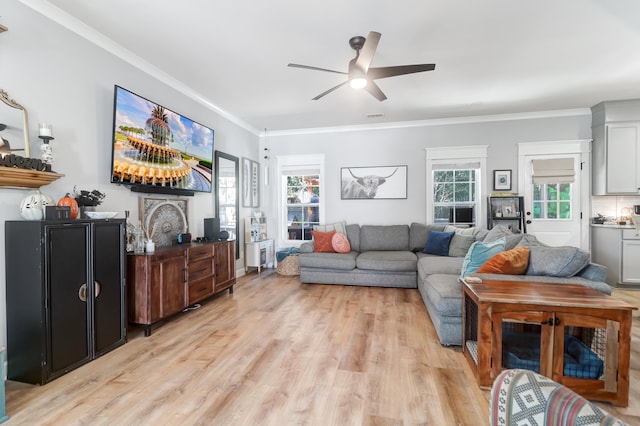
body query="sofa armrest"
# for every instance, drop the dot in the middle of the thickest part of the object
(593, 272)
(307, 247)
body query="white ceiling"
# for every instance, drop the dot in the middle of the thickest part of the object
(491, 56)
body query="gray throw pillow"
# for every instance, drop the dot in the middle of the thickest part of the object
(459, 245)
(556, 261)
(496, 233)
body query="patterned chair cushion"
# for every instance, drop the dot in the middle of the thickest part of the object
(522, 397)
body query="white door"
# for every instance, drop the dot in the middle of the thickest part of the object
(553, 209)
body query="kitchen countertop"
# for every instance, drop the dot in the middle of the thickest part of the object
(612, 225)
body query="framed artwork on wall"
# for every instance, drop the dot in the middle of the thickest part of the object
(250, 183)
(362, 183)
(163, 219)
(502, 180)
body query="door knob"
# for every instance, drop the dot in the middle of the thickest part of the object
(528, 222)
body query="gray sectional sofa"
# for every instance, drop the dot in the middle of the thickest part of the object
(391, 256)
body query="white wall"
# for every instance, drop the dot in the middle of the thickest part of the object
(400, 146)
(63, 79)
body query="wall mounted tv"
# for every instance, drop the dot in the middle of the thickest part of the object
(156, 150)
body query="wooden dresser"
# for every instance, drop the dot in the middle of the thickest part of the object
(171, 279)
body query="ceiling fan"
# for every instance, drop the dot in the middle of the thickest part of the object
(360, 75)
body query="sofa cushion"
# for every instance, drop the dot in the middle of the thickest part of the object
(514, 261)
(339, 261)
(387, 261)
(556, 261)
(431, 264)
(419, 233)
(497, 232)
(338, 227)
(340, 243)
(322, 241)
(384, 238)
(353, 235)
(460, 245)
(470, 231)
(438, 243)
(478, 253)
(445, 293)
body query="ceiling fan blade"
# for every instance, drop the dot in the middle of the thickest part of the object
(315, 68)
(330, 90)
(368, 50)
(375, 91)
(384, 72)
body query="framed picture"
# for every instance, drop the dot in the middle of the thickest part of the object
(509, 210)
(250, 183)
(162, 219)
(502, 180)
(362, 183)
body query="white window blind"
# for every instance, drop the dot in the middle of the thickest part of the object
(553, 170)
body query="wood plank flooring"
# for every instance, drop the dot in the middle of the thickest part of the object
(277, 352)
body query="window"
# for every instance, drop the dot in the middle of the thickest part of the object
(302, 205)
(552, 201)
(301, 200)
(454, 190)
(454, 196)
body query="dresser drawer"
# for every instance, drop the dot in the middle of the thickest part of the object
(200, 289)
(200, 269)
(200, 252)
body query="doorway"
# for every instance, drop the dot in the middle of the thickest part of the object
(555, 181)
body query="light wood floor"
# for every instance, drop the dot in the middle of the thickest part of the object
(278, 352)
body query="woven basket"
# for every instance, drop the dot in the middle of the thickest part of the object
(289, 266)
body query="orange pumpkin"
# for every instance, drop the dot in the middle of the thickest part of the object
(71, 202)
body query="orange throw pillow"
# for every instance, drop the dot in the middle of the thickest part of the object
(513, 262)
(322, 241)
(340, 243)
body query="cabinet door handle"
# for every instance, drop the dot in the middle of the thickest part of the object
(82, 291)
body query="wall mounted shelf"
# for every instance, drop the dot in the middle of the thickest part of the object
(12, 177)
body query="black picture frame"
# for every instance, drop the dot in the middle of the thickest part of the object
(502, 180)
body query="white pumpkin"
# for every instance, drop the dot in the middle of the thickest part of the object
(33, 205)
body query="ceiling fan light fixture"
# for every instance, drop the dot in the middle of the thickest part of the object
(358, 83)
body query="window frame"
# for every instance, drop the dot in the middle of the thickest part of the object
(460, 156)
(297, 165)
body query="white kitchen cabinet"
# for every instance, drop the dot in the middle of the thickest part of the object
(630, 257)
(616, 147)
(617, 248)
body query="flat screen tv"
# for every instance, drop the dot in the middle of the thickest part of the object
(157, 150)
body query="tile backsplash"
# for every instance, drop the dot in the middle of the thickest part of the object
(611, 205)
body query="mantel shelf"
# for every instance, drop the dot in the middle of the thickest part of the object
(13, 177)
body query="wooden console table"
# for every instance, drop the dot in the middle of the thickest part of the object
(167, 281)
(545, 314)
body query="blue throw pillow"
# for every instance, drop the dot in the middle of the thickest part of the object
(479, 253)
(438, 243)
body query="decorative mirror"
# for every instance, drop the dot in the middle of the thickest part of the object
(14, 127)
(227, 202)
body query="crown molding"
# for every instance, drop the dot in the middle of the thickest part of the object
(437, 122)
(83, 30)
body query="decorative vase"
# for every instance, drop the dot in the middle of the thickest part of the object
(33, 205)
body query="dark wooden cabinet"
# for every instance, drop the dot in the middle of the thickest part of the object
(169, 280)
(65, 295)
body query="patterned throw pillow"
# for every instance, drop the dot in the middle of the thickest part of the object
(512, 262)
(322, 241)
(340, 243)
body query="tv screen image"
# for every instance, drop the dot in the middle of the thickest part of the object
(156, 148)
